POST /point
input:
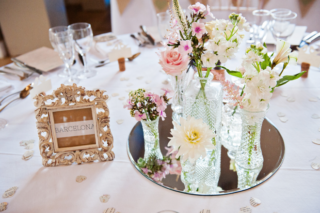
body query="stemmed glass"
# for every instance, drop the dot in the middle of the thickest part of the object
(163, 20)
(261, 22)
(283, 24)
(83, 38)
(52, 32)
(65, 47)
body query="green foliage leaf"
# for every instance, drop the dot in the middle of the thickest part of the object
(231, 72)
(266, 63)
(264, 44)
(285, 79)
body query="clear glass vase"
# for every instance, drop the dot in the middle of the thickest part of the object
(231, 129)
(177, 97)
(151, 138)
(249, 159)
(203, 99)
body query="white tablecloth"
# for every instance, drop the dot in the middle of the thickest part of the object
(294, 188)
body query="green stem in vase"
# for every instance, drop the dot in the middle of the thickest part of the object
(252, 133)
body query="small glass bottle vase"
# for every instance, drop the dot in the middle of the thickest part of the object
(203, 100)
(177, 97)
(151, 138)
(249, 159)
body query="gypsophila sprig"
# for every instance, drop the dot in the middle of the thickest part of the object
(146, 105)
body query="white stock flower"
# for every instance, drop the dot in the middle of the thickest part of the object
(251, 57)
(262, 49)
(282, 53)
(209, 59)
(192, 139)
(243, 24)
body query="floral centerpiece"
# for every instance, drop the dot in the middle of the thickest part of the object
(147, 107)
(260, 78)
(202, 45)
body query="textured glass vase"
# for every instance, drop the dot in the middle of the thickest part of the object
(203, 99)
(177, 97)
(249, 159)
(231, 129)
(151, 138)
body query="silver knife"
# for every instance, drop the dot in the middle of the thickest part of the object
(27, 66)
(303, 41)
(313, 38)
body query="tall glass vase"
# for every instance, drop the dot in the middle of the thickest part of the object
(151, 138)
(177, 97)
(231, 129)
(249, 159)
(203, 100)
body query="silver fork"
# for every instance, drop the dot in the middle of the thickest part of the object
(25, 75)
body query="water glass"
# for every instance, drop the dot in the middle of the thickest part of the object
(52, 32)
(163, 20)
(261, 23)
(83, 41)
(283, 24)
(65, 47)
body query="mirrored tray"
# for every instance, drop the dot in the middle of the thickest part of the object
(272, 146)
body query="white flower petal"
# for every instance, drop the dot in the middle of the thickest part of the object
(313, 99)
(280, 114)
(124, 79)
(246, 209)
(315, 116)
(283, 119)
(284, 94)
(315, 166)
(120, 121)
(121, 98)
(255, 202)
(165, 82)
(316, 141)
(291, 99)
(129, 84)
(104, 198)
(148, 81)
(80, 178)
(10, 192)
(114, 94)
(140, 77)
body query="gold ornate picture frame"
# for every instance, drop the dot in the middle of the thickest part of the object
(73, 126)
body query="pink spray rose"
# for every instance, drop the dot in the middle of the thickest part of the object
(173, 62)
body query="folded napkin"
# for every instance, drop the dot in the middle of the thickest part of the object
(294, 39)
(43, 58)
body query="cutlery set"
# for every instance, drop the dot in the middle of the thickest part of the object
(22, 94)
(143, 37)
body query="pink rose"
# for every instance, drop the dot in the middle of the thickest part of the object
(198, 7)
(173, 62)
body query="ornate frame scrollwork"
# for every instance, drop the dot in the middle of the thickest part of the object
(73, 96)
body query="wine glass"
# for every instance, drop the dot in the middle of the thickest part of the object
(83, 38)
(261, 22)
(64, 44)
(163, 20)
(52, 32)
(283, 24)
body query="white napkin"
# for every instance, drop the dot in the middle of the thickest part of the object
(294, 39)
(4, 85)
